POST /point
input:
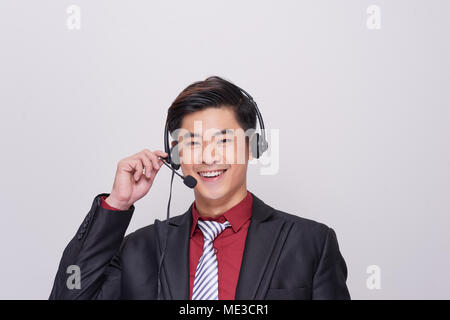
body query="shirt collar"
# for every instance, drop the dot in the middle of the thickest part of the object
(236, 215)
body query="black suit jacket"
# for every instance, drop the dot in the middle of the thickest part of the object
(285, 257)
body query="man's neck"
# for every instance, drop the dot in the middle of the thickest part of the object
(216, 207)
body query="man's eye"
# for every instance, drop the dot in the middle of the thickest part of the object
(193, 143)
(224, 140)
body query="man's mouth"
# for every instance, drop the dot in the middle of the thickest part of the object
(212, 175)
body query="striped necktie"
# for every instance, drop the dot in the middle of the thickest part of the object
(206, 279)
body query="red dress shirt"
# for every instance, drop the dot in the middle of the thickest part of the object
(229, 245)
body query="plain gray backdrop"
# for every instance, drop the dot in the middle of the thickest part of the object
(363, 117)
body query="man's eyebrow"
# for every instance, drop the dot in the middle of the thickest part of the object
(191, 135)
(218, 133)
(224, 131)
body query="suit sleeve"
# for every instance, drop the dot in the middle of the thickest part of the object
(105, 205)
(329, 282)
(94, 255)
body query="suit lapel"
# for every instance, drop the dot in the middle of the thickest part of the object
(176, 262)
(263, 245)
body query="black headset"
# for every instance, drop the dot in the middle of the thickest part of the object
(258, 142)
(258, 145)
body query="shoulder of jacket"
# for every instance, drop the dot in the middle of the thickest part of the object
(140, 235)
(148, 232)
(302, 224)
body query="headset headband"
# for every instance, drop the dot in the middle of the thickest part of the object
(261, 143)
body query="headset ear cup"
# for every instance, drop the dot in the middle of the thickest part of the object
(255, 145)
(258, 145)
(263, 146)
(175, 157)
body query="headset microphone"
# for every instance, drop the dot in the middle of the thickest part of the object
(189, 181)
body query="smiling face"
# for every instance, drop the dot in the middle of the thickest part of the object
(213, 150)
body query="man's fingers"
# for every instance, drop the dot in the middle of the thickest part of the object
(161, 154)
(153, 157)
(152, 175)
(147, 164)
(139, 168)
(148, 160)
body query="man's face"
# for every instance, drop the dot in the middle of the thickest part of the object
(213, 150)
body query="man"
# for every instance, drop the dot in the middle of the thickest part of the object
(229, 244)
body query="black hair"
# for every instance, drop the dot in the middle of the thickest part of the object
(213, 92)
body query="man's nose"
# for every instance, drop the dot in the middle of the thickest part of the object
(209, 153)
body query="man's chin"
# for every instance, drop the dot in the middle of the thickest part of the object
(212, 194)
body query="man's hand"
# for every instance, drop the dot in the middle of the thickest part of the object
(130, 183)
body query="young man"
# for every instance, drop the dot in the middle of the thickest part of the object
(229, 244)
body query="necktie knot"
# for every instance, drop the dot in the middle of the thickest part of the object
(211, 229)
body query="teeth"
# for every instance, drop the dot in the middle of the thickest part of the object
(211, 173)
